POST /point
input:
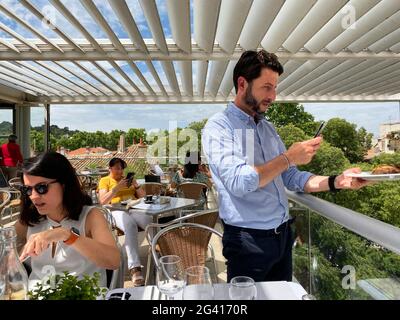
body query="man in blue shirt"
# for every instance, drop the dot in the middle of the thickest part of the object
(251, 167)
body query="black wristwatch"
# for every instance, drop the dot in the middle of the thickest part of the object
(331, 183)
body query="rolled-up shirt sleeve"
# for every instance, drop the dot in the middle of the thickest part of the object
(225, 158)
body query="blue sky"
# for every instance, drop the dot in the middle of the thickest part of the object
(108, 117)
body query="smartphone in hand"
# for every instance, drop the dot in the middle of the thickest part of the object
(130, 177)
(321, 127)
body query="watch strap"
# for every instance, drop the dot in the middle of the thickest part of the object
(72, 237)
(331, 183)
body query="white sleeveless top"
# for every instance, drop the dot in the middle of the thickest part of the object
(66, 258)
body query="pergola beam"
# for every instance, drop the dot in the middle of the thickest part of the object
(219, 99)
(174, 54)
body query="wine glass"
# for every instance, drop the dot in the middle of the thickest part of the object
(242, 288)
(170, 275)
(198, 284)
(308, 296)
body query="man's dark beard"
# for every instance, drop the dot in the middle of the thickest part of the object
(251, 101)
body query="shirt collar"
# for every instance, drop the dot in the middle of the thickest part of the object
(236, 111)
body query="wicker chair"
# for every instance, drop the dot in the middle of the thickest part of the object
(5, 197)
(152, 188)
(193, 190)
(203, 217)
(10, 205)
(15, 183)
(187, 240)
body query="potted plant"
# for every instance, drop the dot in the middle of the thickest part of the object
(68, 287)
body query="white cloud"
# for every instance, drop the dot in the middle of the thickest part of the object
(123, 117)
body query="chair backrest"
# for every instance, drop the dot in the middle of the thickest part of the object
(205, 217)
(10, 205)
(15, 183)
(152, 178)
(3, 180)
(192, 190)
(152, 188)
(187, 240)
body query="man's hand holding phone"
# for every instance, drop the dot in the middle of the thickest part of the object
(129, 178)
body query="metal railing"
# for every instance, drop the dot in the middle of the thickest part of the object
(342, 254)
(382, 233)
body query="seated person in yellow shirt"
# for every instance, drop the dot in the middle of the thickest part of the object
(112, 189)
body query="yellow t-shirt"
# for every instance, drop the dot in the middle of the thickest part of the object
(107, 183)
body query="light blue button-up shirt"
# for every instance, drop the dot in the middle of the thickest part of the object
(233, 144)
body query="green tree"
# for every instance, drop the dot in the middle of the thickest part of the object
(290, 134)
(135, 135)
(281, 114)
(343, 135)
(365, 139)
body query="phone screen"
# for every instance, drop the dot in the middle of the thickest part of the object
(130, 176)
(321, 127)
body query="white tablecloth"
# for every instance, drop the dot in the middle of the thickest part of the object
(272, 290)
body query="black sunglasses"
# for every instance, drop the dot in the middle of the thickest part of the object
(41, 188)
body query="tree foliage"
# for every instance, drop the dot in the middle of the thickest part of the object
(281, 114)
(325, 248)
(344, 135)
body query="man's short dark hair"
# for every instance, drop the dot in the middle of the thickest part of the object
(114, 161)
(12, 137)
(252, 62)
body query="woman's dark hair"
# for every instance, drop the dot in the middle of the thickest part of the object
(252, 62)
(53, 165)
(115, 161)
(191, 166)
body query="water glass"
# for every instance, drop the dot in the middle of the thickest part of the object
(242, 288)
(170, 275)
(308, 296)
(198, 284)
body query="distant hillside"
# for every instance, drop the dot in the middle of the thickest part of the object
(5, 128)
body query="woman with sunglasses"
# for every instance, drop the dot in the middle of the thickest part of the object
(113, 189)
(59, 227)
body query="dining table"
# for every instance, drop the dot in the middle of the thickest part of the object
(266, 290)
(155, 209)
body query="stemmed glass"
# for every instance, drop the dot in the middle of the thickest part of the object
(242, 288)
(170, 275)
(198, 284)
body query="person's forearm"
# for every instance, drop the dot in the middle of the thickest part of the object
(107, 197)
(270, 170)
(103, 255)
(140, 193)
(316, 184)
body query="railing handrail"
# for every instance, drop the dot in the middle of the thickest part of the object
(384, 234)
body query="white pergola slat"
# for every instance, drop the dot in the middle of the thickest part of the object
(26, 25)
(63, 76)
(19, 37)
(205, 21)
(31, 75)
(340, 50)
(45, 76)
(261, 15)
(179, 18)
(202, 67)
(150, 11)
(41, 17)
(89, 86)
(291, 14)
